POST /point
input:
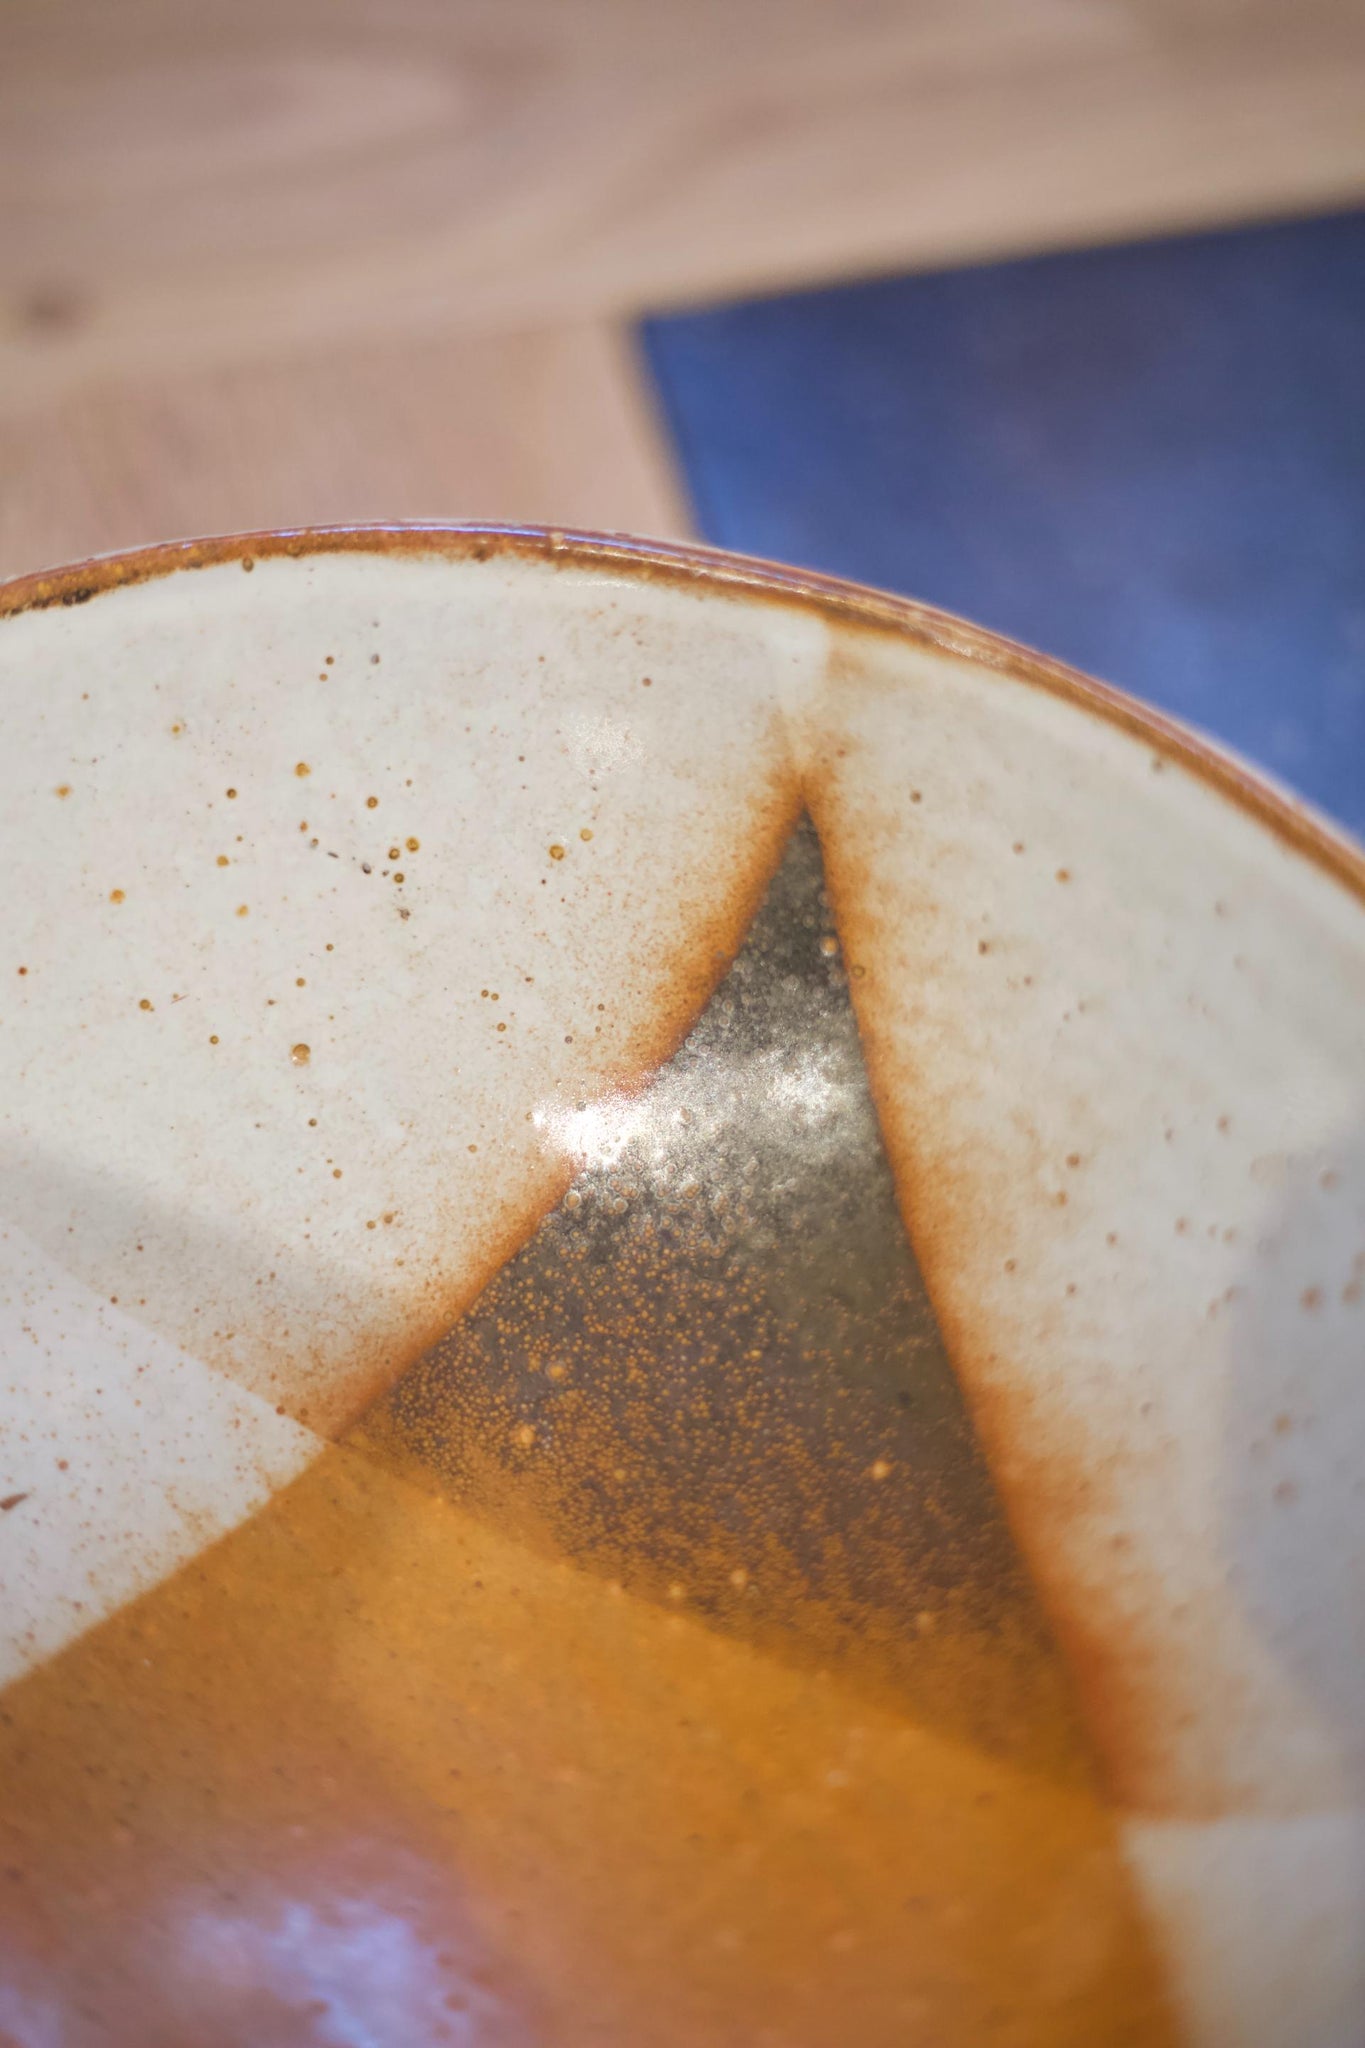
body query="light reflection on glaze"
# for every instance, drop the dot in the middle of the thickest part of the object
(355, 1969)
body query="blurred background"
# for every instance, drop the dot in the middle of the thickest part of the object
(1050, 311)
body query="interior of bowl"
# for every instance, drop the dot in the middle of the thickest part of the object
(681, 1286)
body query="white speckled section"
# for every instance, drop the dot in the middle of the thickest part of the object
(596, 780)
(121, 1456)
(343, 880)
(1264, 1924)
(1119, 1037)
(1117, 1033)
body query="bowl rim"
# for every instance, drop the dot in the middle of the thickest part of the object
(693, 566)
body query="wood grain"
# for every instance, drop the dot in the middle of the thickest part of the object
(187, 185)
(552, 426)
(321, 259)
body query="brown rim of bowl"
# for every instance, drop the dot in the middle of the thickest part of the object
(685, 565)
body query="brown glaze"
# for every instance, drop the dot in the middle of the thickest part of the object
(713, 1376)
(692, 1693)
(368, 1718)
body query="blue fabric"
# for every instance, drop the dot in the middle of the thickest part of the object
(1148, 460)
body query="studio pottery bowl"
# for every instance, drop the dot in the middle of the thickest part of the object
(682, 1298)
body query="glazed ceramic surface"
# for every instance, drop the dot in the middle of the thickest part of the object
(682, 1304)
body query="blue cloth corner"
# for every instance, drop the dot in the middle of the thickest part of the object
(1148, 460)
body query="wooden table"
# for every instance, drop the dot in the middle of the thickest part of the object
(306, 260)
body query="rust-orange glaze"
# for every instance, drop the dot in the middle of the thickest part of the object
(652, 1665)
(591, 1819)
(719, 1350)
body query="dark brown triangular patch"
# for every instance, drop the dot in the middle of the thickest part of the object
(713, 1373)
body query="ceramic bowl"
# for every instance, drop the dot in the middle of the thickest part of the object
(681, 1296)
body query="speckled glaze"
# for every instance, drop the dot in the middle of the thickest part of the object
(713, 1209)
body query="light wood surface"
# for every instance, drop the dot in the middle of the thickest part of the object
(310, 191)
(553, 425)
(191, 183)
